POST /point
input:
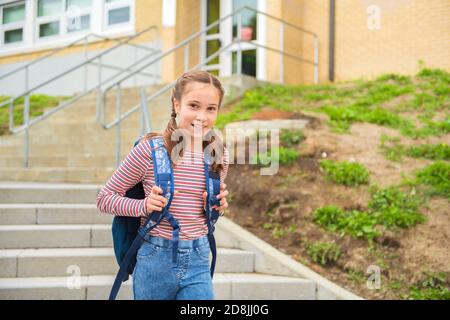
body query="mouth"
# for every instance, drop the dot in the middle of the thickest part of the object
(198, 126)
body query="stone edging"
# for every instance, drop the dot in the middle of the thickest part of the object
(269, 260)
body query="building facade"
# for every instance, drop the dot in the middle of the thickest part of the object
(324, 40)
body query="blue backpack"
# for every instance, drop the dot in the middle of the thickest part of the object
(128, 234)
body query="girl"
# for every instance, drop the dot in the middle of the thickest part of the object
(196, 99)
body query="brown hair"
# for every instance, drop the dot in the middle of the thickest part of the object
(177, 93)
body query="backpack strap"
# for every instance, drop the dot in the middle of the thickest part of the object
(164, 179)
(212, 215)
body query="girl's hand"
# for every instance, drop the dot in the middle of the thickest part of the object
(155, 202)
(222, 195)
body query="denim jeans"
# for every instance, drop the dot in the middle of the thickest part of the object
(156, 277)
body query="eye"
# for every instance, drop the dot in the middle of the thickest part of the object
(212, 108)
(194, 105)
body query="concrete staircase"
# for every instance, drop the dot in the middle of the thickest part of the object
(54, 244)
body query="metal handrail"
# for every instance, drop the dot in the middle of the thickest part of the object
(79, 65)
(185, 42)
(212, 25)
(74, 99)
(56, 50)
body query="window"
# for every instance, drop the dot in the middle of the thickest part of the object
(32, 24)
(59, 17)
(78, 15)
(117, 12)
(12, 25)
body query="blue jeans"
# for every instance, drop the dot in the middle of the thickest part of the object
(156, 277)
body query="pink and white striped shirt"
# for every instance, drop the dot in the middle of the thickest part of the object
(186, 206)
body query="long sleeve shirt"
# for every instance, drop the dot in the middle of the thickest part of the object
(186, 206)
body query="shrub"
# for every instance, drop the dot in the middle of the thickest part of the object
(395, 209)
(324, 253)
(436, 175)
(345, 172)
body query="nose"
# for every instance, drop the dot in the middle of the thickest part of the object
(201, 116)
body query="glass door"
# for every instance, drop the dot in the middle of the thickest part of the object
(211, 40)
(227, 63)
(249, 31)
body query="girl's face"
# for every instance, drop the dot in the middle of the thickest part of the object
(198, 109)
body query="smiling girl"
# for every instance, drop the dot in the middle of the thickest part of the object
(196, 100)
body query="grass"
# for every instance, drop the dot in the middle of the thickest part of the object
(388, 209)
(324, 253)
(395, 151)
(282, 155)
(38, 104)
(277, 229)
(437, 177)
(394, 209)
(432, 286)
(291, 138)
(345, 172)
(371, 101)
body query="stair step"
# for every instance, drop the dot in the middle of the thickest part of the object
(58, 174)
(32, 192)
(61, 161)
(95, 261)
(29, 214)
(55, 236)
(236, 286)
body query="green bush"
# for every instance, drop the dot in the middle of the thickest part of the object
(345, 172)
(395, 209)
(434, 286)
(436, 175)
(355, 223)
(291, 138)
(284, 156)
(389, 208)
(439, 151)
(324, 253)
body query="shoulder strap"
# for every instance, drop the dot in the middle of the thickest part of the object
(163, 179)
(162, 170)
(212, 181)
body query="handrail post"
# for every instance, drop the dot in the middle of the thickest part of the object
(11, 115)
(85, 66)
(27, 80)
(186, 57)
(146, 123)
(26, 119)
(99, 89)
(135, 61)
(316, 60)
(282, 54)
(118, 102)
(239, 54)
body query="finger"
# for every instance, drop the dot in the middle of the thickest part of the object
(223, 186)
(156, 190)
(155, 208)
(222, 194)
(160, 198)
(222, 207)
(156, 202)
